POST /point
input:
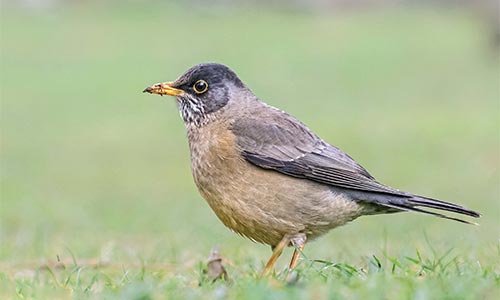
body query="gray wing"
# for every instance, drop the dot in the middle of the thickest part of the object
(289, 147)
(277, 141)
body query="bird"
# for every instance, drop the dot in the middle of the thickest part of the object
(267, 176)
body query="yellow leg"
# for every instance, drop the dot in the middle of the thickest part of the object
(276, 254)
(295, 258)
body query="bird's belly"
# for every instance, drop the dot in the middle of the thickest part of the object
(264, 205)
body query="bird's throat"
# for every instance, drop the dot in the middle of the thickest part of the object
(192, 111)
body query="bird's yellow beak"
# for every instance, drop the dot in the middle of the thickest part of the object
(164, 88)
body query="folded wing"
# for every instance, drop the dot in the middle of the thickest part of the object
(283, 144)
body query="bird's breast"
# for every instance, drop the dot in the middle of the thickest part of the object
(224, 179)
(214, 155)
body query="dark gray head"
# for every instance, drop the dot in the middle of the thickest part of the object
(201, 91)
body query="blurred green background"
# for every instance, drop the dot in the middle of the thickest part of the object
(91, 167)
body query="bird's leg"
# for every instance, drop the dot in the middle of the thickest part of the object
(277, 250)
(295, 258)
(300, 242)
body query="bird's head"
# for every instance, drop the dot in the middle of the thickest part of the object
(201, 91)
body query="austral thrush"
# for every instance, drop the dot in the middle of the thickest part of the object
(266, 175)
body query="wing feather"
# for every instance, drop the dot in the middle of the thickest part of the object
(281, 143)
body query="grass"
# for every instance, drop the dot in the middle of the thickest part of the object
(97, 199)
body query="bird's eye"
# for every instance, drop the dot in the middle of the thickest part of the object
(200, 86)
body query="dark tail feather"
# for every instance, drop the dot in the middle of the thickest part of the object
(387, 203)
(438, 204)
(413, 204)
(414, 209)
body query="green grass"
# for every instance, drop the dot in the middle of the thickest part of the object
(96, 174)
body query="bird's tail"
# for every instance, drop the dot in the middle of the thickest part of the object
(416, 203)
